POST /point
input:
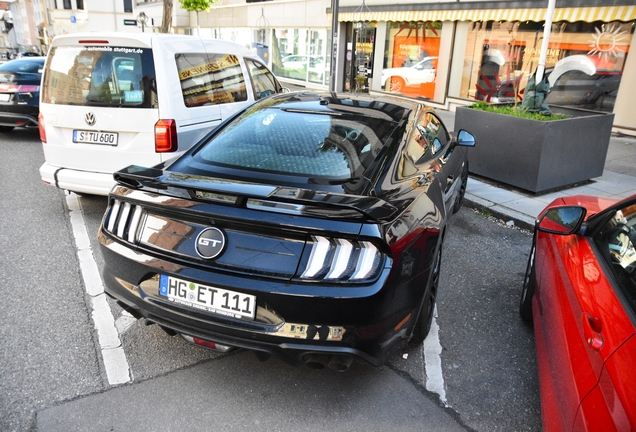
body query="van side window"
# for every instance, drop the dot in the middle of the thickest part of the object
(262, 79)
(210, 79)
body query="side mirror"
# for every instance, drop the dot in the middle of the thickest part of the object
(562, 220)
(465, 138)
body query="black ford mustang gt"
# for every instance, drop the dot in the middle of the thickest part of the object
(308, 226)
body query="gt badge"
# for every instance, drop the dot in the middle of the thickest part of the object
(210, 243)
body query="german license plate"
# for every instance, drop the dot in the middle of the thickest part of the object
(93, 137)
(207, 298)
(4, 97)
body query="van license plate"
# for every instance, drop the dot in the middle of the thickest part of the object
(92, 137)
(5, 97)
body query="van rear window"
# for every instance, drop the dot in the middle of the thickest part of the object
(210, 79)
(100, 76)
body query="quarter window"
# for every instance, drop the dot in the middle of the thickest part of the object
(262, 79)
(427, 138)
(210, 79)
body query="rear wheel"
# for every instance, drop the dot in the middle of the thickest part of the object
(423, 325)
(5, 129)
(529, 285)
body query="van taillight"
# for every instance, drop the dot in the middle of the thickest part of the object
(166, 136)
(41, 127)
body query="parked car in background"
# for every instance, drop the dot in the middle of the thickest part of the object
(578, 89)
(303, 63)
(310, 226)
(20, 93)
(580, 291)
(422, 72)
(114, 99)
(295, 61)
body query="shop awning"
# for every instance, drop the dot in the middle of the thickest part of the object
(572, 14)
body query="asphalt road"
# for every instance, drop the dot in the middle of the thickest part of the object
(52, 375)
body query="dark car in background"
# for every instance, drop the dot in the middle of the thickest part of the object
(309, 226)
(20, 93)
(594, 92)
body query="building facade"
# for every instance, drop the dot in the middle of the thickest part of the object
(449, 53)
(25, 31)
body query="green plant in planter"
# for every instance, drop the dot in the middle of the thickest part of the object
(360, 82)
(515, 111)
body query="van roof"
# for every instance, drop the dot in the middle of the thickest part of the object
(147, 39)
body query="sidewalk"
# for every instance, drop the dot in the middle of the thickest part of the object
(618, 180)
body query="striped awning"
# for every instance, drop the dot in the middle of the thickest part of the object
(573, 14)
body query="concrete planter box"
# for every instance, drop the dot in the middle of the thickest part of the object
(534, 155)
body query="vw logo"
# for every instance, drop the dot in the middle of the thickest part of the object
(210, 243)
(90, 118)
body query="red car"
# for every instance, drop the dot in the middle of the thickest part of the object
(580, 292)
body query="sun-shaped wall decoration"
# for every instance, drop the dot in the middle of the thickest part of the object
(605, 43)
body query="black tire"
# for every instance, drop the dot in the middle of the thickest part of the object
(462, 190)
(529, 286)
(6, 129)
(423, 324)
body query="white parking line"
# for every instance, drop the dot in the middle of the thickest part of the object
(113, 355)
(432, 349)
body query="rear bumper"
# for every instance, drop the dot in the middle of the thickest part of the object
(369, 327)
(77, 181)
(18, 119)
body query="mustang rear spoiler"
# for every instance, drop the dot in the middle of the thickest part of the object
(280, 199)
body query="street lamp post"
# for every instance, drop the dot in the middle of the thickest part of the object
(143, 19)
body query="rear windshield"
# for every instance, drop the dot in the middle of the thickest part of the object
(23, 66)
(302, 143)
(100, 76)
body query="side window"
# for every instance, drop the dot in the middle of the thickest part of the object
(617, 243)
(210, 79)
(428, 137)
(262, 79)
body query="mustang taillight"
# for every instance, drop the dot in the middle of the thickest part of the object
(16, 88)
(123, 220)
(340, 259)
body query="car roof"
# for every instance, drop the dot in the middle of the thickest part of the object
(149, 40)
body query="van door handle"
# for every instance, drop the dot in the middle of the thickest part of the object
(592, 327)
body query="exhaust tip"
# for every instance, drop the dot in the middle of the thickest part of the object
(340, 363)
(316, 361)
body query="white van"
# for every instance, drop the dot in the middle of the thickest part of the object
(110, 100)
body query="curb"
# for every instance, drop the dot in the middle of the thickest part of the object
(520, 220)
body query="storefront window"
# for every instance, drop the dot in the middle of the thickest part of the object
(360, 43)
(301, 54)
(585, 61)
(410, 62)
